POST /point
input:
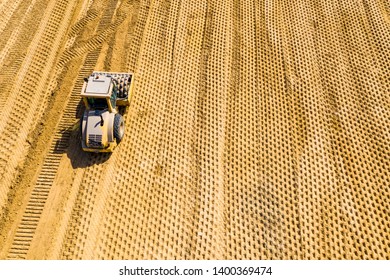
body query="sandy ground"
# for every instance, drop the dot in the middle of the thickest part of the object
(257, 129)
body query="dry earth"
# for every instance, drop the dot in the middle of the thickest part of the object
(258, 129)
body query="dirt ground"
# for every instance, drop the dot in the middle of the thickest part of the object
(257, 130)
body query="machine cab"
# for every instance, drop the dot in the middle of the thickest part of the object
(100, 93)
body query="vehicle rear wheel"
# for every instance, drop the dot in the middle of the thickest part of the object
(119, 127)
(80, 132)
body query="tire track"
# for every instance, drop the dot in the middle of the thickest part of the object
(7, 11)
(90, 64)
(241, 169)
(84, 204)
(29, 221)
(32, 213)
(91, 15)
(181, 30)
(209, 241)
(29, 84)
(267, 54)
(326, 42)
(92, 43)
(3, 5)
(22, 110)
(84, 207)
(295, 129)
(13, 25)
(14, 45)
(158, 21)
(139, 17)
(363, 108)
(206, 183)
(136, 35)
(61, 139)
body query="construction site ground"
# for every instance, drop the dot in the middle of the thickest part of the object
(257, 130)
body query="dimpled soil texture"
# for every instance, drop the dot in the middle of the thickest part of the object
(257, 130)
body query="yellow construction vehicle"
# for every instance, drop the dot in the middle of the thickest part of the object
(102, 126)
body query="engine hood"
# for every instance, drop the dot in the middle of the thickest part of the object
(95, 131)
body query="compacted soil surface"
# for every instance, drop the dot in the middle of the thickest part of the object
(257, 130)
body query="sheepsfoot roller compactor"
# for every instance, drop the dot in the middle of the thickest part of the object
(102, 126)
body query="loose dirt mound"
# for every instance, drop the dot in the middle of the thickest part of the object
(258, 129)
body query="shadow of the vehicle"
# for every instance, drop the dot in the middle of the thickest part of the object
(80, 158)
(70, 143)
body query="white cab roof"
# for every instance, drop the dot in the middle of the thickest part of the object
(98, 86)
